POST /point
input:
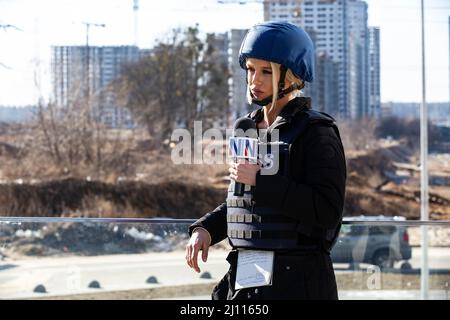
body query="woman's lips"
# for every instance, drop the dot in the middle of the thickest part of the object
(257, 93)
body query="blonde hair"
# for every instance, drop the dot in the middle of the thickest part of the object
(275, 77)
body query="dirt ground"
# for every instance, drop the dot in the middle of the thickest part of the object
(153, 186)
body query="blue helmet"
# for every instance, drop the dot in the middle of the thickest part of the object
(283, 43)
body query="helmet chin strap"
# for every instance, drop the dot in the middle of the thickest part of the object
(281, 92)
(269, 99)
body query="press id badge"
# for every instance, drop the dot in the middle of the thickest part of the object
(254, 269)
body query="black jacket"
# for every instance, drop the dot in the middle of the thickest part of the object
(314, 194)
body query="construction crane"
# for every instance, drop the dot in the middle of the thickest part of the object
(89, 24)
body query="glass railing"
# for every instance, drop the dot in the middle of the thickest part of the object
(385, 259)
(77, 258)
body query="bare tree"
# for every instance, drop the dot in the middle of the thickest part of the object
(76, 141)
(179, 82)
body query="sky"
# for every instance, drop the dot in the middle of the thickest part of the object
(25, 52)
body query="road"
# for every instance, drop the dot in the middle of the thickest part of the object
(62, 276)
(72, 275)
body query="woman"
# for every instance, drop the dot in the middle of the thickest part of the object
(293, 217)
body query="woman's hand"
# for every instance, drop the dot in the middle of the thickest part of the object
(244, 172)
(200, 240)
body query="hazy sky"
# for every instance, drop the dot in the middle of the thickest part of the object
(25, 53)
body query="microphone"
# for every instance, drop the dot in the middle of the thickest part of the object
(243, 145)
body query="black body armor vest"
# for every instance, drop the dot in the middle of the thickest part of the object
(266, 228)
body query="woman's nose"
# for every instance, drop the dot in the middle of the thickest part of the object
(256, 79)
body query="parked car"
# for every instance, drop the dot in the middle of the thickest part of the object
(380, 245)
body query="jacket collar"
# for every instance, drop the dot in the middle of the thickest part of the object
(286, 115)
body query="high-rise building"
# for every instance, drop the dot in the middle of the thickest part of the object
(340, 34)
(374, 73)
(324, 90)
(238, 86)
(220, 43)
(81, 73)
(358, 56)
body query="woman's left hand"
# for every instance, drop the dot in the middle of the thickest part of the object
(244, 172)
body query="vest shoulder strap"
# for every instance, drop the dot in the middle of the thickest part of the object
(303, 120)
